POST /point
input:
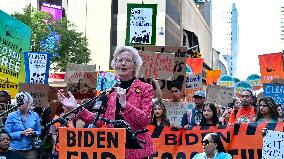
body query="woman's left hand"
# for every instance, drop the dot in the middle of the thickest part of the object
(121, 93)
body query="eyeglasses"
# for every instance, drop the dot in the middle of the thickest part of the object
(127, 60)
(260, 105)
(206, 142)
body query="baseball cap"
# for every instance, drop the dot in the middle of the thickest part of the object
(199, 94)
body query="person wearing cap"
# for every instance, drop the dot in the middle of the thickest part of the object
(194, 116)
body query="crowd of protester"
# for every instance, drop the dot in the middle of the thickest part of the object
(28, 122)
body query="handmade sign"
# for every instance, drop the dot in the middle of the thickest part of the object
(175, 110)
(193, 84)
(226, 80)
(271, 66)
(141, 24)
(276, 91)
(37, 66)
(39, 92)
(219, 95)
(255, 81)
(157, 65)
(14, 40)
(179, 67)
(212, 76)
(91, 143)
(273, 145)
(242, 85)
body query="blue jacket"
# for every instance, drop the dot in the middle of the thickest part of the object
(14, 126)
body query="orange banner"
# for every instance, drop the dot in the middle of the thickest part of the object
(271, 66)
(212, 76)
(195, 64)
(91, 143)
(241, 141)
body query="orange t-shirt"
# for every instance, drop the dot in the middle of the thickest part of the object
(244, 115)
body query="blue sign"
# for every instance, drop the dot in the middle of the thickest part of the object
(276, 91)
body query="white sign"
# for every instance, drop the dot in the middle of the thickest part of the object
(175, 110)
(273, 145)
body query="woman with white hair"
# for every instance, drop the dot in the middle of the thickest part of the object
(23, 125)
(130, 101)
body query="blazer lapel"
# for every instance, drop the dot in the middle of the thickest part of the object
(134, 87)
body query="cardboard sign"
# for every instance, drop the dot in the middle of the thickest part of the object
(271, 66)
(157, 65)
(15, 39)
(91, 143)
(39, 92)
(193, 84)
(242, 141)
(175, 110)
(37, 67)
(219, 95)
(273, 145)
(179, 67)
(276, 91)
(141, 24)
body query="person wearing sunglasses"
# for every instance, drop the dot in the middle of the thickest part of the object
(267, 111)
(212, 148)
(247, 111)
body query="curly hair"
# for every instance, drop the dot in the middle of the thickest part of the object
(7, 96)
(272, 106)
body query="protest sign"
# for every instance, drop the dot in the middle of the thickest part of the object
(193, 84)
(241, 141)
(195, 65)
(14, 40)
(91, 143)
(175, 110)
(141, 24)
(255, 81)
(72, 67)
(219, 95)
(212, 76)
(276, 91)
(106, 80)
(242, 85)
(39, 92)
(179, 67)
(226, 80)
(157, 65)
(37, 66)
(273, 145)
(271, 66)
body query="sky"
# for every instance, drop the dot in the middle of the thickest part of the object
(259, 33)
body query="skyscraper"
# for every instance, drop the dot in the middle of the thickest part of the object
(225, 32)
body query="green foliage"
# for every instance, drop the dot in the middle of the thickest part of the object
(72, 47)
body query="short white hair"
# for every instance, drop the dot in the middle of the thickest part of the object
(27, 97)
(136, 57)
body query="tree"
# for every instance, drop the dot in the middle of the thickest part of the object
(56, 37)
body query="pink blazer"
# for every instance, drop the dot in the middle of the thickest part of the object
(137, 113)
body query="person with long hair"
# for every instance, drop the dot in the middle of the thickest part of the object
(209, 115)
(130, 100)
(23, 125)
(212, 148)
(159, 117)
(267, 111)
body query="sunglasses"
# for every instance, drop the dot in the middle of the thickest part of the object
(206, 142)
(175, 91)
(262, 105)
(245, 96)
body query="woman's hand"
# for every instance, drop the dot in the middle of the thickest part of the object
(28, 132)
(68, 102)
(121, 94)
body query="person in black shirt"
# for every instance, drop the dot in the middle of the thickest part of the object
(5, 153)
